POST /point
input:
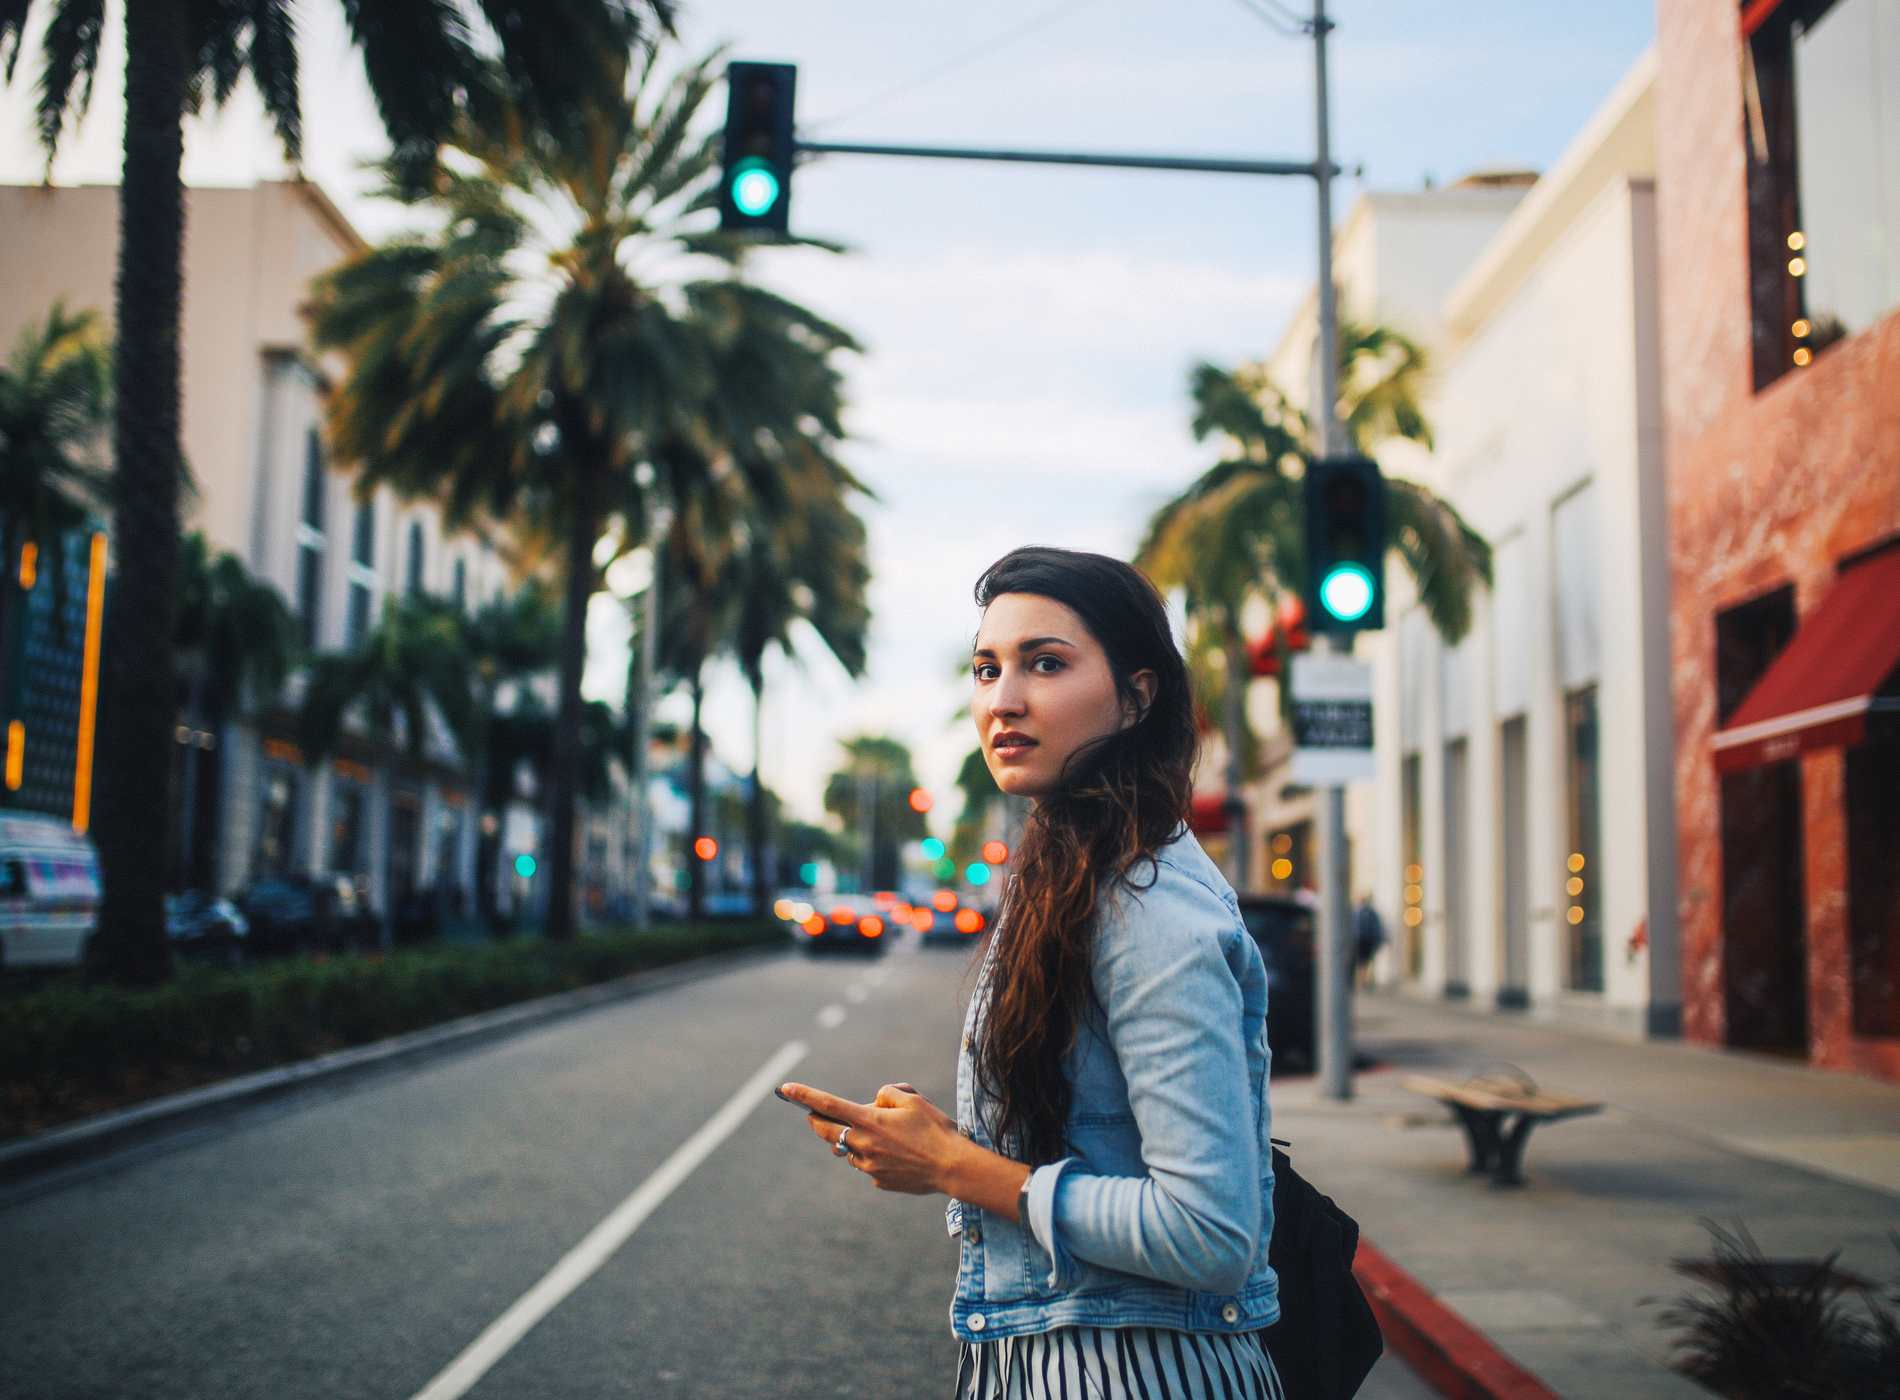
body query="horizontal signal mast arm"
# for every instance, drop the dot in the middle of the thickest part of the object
(1208, 165)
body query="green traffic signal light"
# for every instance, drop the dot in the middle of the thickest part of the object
(977, 873)
(1346, 592)
(808, 872)
(946, 869)
(755, 188)
(932, 848)
(525, 866)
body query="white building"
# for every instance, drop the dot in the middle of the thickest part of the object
(1523, 833)
(1396, 255)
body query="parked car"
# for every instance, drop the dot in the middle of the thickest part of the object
(1284, 930)
(49, 892)
(305, 914)
(953, 927)
(844, 923)
(202, 925)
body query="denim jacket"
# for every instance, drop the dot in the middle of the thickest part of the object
(1160, 1211)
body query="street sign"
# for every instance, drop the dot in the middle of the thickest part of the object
(1332, 720)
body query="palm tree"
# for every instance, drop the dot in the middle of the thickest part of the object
(870, 794)
(411, 659)
(238, 641)
(1236, 534)
(424, 64)
(523, 361)
(510, 639)
(809, 566)
(55, 405)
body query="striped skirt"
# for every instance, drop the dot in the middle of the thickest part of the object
(1118, 1363)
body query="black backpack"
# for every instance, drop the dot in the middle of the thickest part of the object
(1327, 1339)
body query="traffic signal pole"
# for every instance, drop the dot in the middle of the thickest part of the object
(1335, 944)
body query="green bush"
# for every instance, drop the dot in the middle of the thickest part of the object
(71, 1048)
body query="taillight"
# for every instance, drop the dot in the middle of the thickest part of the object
(871, 926)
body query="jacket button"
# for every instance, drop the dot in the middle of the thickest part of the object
(978, 1322)
(1230, 1313)
(974, 1234)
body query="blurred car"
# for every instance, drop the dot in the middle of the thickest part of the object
(305, 914)
(1284, 930)
(961, 925)
(839, 923)
(202, 925)
(49, 892)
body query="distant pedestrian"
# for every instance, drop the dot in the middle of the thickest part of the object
(1368, 931)
(1108, 1166)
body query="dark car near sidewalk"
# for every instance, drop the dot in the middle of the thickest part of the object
(1284, 930)
(202, 926)
(292, 914)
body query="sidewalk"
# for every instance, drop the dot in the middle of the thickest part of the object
(1555, 1273)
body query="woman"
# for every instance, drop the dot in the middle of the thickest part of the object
(1108, 1167)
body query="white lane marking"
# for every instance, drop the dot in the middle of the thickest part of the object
(831, 1017)
(856, 993)
(581, 1262)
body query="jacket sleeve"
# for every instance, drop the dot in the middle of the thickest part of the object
(1174, 1019)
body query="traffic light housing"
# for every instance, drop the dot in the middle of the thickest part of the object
(1345, 545)
(755, 184)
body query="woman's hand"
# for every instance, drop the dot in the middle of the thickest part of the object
(901, 1140)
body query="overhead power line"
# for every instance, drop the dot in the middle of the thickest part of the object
(957, 61)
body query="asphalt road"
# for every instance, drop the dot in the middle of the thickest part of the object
(610, 1205)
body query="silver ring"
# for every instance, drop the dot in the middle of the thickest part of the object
(838, 1149)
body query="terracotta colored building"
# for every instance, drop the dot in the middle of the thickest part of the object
(1779, 238)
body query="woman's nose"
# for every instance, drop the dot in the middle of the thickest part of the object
(1007, 698)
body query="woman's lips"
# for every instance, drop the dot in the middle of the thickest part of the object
(1015, 748)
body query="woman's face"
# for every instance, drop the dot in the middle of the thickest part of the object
(1042, 689)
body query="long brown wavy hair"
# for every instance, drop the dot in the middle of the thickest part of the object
(1120, 798)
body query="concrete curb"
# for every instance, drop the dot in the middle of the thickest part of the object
(1449, 1354)
(108, 1132)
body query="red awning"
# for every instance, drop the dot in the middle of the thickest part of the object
(1821, 689)
(1207, 814)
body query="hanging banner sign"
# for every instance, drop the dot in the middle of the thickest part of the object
(1332, 720)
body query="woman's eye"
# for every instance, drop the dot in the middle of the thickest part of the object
(1055, 663)
(979, 672)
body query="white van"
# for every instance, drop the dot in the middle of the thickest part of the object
(49, 892)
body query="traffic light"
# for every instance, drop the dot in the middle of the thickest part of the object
(1345, 545)
(920, 800)
(931, 847)
(525, 866)
(755, 188)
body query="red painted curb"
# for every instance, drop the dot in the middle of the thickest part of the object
(1451, 1355)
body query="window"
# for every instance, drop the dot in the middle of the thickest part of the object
(1411, 845)
(1583, 861)
(362, 573)
(415, 559)
(458, 588)
(311, 542)
(277, 824)
(1823, 130)
(349, 803)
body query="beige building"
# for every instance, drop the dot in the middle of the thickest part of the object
(266, 491)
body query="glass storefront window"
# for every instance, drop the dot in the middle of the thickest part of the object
(1847, 165)
(277, 821)
(1583, 860)
(349, 805)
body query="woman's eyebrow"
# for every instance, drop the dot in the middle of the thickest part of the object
(1026, 644)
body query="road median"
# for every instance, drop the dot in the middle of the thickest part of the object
(87, 1069)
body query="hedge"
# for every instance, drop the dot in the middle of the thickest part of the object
(72, 1048)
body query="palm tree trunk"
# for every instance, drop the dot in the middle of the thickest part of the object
(755, 812)
(137, 697)
(695, 867)
(1233, 734)
(564, 786)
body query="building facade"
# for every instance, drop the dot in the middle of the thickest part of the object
(1779, 251)
(266, 490)
(1524, 829)
(1396, 256)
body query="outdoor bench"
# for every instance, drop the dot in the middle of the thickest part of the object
(1498, 1112)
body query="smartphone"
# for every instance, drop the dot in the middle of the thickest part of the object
(802, 1109)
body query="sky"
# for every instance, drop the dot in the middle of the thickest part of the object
(1028, 330)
